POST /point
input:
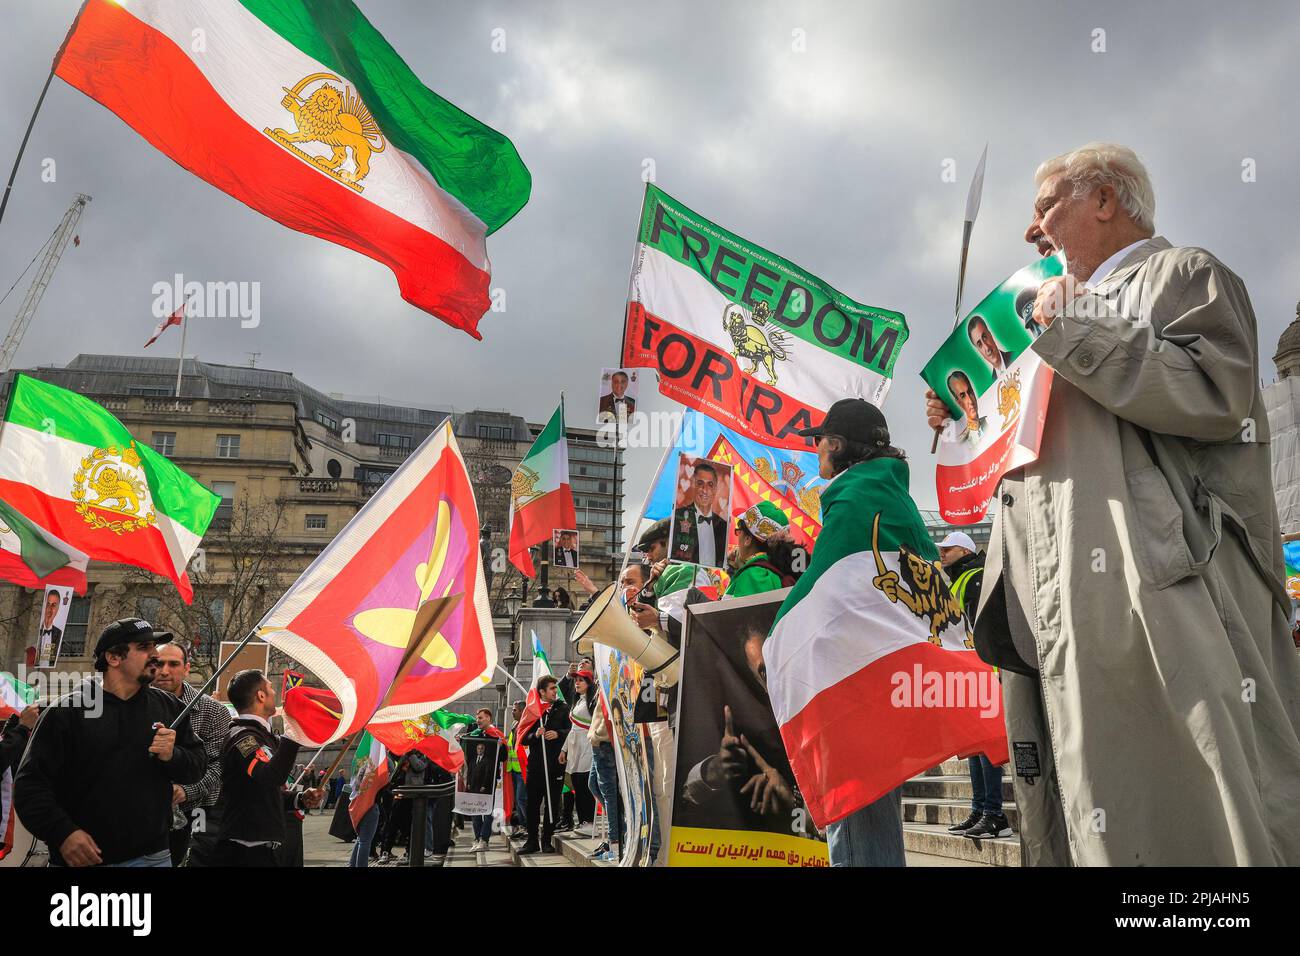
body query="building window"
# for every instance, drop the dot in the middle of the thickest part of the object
(496, 432)
(227, 446)
(164, 443)
(74, 631)
(221, 520)
(328, 421)
(394, 441)
(149, 390)
(316, 522)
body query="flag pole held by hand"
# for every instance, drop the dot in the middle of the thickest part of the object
(973, 197)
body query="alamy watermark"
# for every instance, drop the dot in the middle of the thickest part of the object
(209, 300)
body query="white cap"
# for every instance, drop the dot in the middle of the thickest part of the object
(959, 539)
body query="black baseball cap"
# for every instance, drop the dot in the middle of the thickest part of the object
(126, 630)
(855, 419)
(656, 532)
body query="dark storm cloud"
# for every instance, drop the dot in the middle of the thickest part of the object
(831, 157)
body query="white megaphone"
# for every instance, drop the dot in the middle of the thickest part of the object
(608, 622)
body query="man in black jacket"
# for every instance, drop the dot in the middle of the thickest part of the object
(255, 766)
(96, 783)
(544, 740)
(964, 566)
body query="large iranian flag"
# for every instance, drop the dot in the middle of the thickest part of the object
(303, 111)
(71, 468)
(32, 557)
(748, 338)
(541, 500)
(870, 664)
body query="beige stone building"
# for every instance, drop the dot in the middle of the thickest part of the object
(292, 465)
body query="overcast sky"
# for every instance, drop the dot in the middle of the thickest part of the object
(832, 157)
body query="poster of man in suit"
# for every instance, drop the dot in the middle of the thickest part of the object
(618, 388)
(54, 618)
(565, 549)
(701, 525)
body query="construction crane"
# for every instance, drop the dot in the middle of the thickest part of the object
(53, 253)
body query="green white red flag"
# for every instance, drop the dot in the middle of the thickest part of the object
(369, 775)
(349, 617)
(746, 337)
(302, 110)
(541, 499)
(32, 557)
(72, 469)
(534, 706)
(870, 664)
(433, 735)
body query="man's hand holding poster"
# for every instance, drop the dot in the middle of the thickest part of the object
(996, 388)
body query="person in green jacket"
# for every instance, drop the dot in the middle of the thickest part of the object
(764, 556)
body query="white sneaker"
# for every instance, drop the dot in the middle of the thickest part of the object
(478, 846)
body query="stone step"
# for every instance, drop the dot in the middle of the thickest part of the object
(935, 840)
(949, 787)
(578, 849)
(947, 812)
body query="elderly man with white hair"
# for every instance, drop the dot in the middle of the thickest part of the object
(1133, 592)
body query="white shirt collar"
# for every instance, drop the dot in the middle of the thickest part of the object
(261, 720)
(1107, 267)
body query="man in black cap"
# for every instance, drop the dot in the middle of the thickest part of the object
(255, 765)
(96, 783)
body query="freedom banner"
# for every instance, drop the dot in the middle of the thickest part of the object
(997, 389)
(735, 799)
(745, 336)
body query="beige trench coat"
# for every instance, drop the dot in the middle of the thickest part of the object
(1137, 564)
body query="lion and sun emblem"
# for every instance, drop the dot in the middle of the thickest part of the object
(334, 117)
(110, 480)
(919, 586)
(751, 343)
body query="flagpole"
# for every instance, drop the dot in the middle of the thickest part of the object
(510, 677)
(180, 360)
(973, 196)
(13, 174)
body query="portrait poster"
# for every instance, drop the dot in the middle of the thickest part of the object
(53, 620)
(617, 395)
(620, 680)
(996, 388)
(735, 798)
(476, 787)
(565, 550)
(703, 526)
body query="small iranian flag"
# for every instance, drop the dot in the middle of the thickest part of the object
(433, 735)
(302, 110)
(534, 706)
(369, 775)
(70, 467)
(541, 499)
(870, 664)
(14, 696)
(32, 557)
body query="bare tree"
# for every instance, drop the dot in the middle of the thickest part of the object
(238, 573)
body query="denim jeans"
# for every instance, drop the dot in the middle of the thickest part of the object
(871, 836)
(519, 812)
(482, 827)
(986, 785)
(365, 836)
(161, 858)
(605, 770)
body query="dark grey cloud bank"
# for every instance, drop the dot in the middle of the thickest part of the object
(832, 157)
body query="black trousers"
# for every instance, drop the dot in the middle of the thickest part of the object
(541, 793)
(178, 842)
(583, 797)
(230, 853)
